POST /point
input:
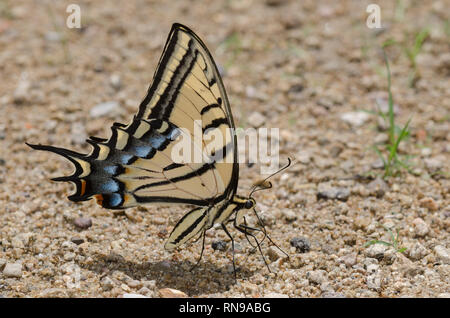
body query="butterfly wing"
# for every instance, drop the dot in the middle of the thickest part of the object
(135, 165)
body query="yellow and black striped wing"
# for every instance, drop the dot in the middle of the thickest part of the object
(135, 165)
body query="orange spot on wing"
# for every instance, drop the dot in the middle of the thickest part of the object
(83, 187)
(99, 199)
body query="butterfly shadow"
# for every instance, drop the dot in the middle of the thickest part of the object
(205, 278)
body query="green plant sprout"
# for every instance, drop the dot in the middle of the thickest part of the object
(392, 163)
(233, 44)
(60, 31)
(412, 53)
(393, 243)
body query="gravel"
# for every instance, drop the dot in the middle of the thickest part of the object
(313, 86)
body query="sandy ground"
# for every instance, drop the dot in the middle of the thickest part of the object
(302, 66)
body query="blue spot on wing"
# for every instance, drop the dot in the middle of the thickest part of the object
(110, 186)
(115, 199)
(112, 170)
(174, 133)
(142, 151)
(157, 140)
(125, 158)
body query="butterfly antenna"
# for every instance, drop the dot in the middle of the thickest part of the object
(262, 184)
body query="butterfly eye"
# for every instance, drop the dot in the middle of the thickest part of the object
(249, 204)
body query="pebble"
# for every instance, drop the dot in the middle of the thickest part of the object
(275, 295)
(21, 93)
(378, 187)
(355, 119)
(115, 81)
(289, 215)
(378, 164)
(341, 194)
(331, 294)
(77, 240)
(361, 222)
(304, 158)
(256, 119)
(78, 133)
(13, 270)
(53, 36)
(171, 293)
(104, 109)
(219, 245)
(349, 260)
(426, 152)
(107, 283)
(433, 164)
(145, 291)
(429, 203)
(133, 283)
(129, 295)
(417, 251)
(83, 223)
(442, 253)
(376, 251)
(420, 227)
(301, 244)
(316, 277)
(373, 268)
(249, 288)
(374, 282)
(274, 253)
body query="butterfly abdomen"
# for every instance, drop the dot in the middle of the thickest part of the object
(110, 171)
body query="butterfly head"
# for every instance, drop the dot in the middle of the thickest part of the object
(250, 203)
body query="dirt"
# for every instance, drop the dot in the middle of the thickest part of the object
(301, 65)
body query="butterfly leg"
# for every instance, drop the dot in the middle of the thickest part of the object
(201, 252)
(232, 248)
(243, 228)
(263, 228)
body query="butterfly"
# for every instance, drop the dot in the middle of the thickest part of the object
(135, 166)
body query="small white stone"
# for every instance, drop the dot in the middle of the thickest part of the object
(420, 227)
(289, 215)
(373, 268)
(128, 295)
(104, 109)
(115, 81)
(256, 119)
(13, 270)
(355, 119)
(21, 93)
(442, 253)
(275, 295)
(107, 283)
(376, 251)
(316, 277)
(417, 251)
(374, 281)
